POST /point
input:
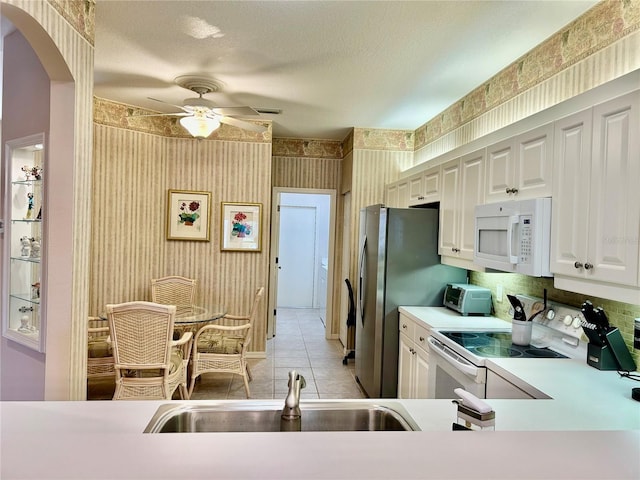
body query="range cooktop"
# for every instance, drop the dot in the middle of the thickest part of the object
(498, 345)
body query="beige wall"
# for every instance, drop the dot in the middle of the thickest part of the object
(598, 47)
(62, 36)
(24, 92)
(133, 172)
(595, 48)
(371, 170)
(313, 164)
(604, 41)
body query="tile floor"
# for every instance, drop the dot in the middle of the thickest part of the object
(299, 344)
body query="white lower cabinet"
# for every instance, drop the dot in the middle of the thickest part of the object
(413, 360)
(499, 387)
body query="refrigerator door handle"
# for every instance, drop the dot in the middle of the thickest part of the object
(361, 289)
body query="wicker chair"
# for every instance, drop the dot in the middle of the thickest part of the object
(174, 290)
(222, 348)
(100, 354)
(149, 365)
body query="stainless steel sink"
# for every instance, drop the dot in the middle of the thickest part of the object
(257, 417)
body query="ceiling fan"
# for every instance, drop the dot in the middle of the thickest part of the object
(200, 117)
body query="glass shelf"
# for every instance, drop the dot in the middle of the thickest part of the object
(24, 296)
(27, 182)
(27, 259)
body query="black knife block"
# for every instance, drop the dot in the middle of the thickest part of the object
(613, 355)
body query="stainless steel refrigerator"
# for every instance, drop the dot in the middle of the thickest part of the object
(398, 265)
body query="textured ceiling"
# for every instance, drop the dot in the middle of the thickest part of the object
(328, 66)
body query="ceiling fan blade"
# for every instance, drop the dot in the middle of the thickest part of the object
(236, 122)
(178, 114)
(166, 103)
(235, 111)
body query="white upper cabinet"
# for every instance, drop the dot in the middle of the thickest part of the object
(596, 201)
(448, 236)
(425, 187)
(397, 194)
(391, 195)
(462, 190)
(521, 166)
(570, 204)
(415, 189)
(403, 194)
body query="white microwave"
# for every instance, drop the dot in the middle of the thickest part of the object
(514, 236)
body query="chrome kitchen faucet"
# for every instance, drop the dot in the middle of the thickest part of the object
(291, 410)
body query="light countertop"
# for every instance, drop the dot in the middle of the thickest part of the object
(582, 397)
(590, 428)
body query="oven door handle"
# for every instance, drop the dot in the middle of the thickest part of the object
(452, 358)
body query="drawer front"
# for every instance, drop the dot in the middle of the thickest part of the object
(420, 336)
(407, 326)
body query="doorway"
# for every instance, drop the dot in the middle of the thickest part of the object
(301, 253)
(297, 255)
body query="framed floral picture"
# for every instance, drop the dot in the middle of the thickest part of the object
(188, 215)
(241, 225)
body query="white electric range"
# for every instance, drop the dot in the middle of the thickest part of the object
(457, 358)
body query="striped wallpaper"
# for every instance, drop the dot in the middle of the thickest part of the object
(315, 173)
(133, 172)
(301, 172)
(371, 170)
(67, 299)
(124, 245)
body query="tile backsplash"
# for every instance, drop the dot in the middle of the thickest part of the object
(620, 314)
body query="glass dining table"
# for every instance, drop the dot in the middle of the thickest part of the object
(189, 318)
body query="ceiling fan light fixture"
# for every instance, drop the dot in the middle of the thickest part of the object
(200, 126)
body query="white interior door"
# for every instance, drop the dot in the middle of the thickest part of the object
(296, 257)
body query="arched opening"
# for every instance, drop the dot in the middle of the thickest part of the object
(47, 106)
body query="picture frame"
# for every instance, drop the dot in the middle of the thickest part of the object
(241, 227)
(188, 215)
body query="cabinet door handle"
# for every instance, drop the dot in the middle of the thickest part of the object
(421, 339)
(508, 190)
(578, 264)
(588, 266)
(404, 326)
